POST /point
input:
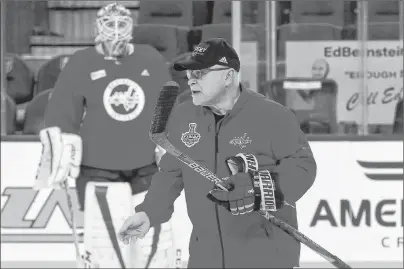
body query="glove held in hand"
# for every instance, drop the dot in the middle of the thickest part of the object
(248, 187)
(271, 199)
(241, 199)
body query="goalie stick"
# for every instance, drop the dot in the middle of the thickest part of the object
(158, 135)
(79, 258)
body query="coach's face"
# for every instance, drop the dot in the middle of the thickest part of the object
(209, 85)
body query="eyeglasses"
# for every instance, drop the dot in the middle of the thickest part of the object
(198, 74)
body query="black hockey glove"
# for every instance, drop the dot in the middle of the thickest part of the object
(249, 190)
(267, 184)
(240, 199)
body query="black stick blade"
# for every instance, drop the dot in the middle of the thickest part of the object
(165, 103)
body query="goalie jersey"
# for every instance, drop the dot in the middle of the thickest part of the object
(110, 105)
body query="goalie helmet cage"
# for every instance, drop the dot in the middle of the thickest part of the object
(313, 101)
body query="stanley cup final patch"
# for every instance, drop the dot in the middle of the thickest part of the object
(191, 137)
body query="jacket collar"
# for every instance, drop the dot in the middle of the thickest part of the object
(242, 100)
(239, 105)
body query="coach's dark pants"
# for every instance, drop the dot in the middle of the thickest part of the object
(139, 179)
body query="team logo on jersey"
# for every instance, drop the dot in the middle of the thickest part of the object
(124, 99)
(191, 137)
(241, 141)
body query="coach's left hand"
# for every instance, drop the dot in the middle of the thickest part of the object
(240, 199)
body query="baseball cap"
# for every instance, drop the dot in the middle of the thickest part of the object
(209, 53)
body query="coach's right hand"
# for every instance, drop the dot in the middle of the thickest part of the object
(136, 226)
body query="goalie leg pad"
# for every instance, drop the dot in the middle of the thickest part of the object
(107, 206)
(156, 249)
(90, 174)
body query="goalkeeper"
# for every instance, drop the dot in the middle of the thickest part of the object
(251, 142)
(100, 109)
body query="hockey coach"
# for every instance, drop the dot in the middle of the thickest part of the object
(254, 144)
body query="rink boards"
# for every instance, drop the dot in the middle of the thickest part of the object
(354, 209)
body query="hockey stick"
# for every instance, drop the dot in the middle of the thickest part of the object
(79, 260)
(162, 111)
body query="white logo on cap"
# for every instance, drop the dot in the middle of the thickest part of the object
(223, 60)
(199, 50)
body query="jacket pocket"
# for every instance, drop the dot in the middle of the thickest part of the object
(257, 228)
(267, 227)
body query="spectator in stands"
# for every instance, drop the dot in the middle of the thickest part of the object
(320, 69)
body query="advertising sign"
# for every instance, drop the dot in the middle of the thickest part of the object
(340, 61)
(354, 209)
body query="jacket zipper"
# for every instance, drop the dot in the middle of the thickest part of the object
(217, 127)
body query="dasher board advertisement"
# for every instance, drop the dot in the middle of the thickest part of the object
(354, 209)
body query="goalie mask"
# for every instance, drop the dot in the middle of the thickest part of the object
(114, 27)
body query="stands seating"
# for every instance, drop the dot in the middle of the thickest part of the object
(384, 31)
(20, 79)
(180, 76)
(317, 11)
(376, 31)
(383, 11)
(35, 62)
(49, 72)
(250, 32)
(167, 39)
(11, 113)
(222, 12)
(166, 12)
(35, 112)
(305, 32)
(75, 19)
(53, 46)
(175, 27)
(313, 102)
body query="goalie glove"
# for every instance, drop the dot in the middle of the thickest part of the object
(249, 189)
(61, 158)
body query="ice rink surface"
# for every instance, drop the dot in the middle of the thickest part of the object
(72, 264)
